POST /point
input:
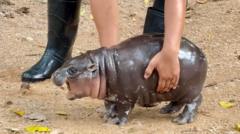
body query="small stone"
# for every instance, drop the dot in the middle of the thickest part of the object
(23, 10)
(132, 15)
(25, 85)
(228, 11)
(238, 57)
(7, 103)
(25, 88)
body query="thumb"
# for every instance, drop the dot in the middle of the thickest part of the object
(149, 70)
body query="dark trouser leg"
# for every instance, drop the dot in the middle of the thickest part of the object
(63, 18)
(154, 22)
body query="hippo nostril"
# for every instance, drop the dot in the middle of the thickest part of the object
(72, 71)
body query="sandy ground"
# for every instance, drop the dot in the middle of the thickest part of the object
(214, 26)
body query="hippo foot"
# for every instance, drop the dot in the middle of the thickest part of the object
(171, 108)
(110, 110)
(108, 115)
(181, 119)
(189, 112)
(117, 120)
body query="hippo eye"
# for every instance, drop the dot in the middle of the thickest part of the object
(72, 71)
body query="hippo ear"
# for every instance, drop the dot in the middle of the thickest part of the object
(92, 67)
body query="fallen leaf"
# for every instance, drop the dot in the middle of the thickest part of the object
(36, 117)
(237, 127)
(18, 112)
(226, 105)
(146, 2)
(37, 128)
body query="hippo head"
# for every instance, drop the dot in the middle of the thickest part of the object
(81, 74)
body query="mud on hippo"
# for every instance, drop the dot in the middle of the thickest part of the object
(116, 75)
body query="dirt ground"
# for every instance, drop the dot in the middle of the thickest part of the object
(213, 26)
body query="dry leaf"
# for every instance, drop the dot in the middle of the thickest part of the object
(146, 2)
(237, 127)
(36, 128)
(18, 112)
(226, 105)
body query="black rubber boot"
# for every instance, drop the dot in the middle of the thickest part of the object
(63, 18)
(154, 22)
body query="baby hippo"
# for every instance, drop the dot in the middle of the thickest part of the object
(117, 75)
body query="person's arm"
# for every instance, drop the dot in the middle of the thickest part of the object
(105, 14)
(166, 62)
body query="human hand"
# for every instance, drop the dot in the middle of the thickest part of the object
(167, 65)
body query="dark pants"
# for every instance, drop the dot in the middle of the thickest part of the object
(154, 22)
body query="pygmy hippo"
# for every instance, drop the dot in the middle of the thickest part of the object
(116, 75)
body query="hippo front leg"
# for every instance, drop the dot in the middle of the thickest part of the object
(110, 109)
(119, 114)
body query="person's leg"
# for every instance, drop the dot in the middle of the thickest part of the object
(105, 14)
(63, 18)
(154, 22)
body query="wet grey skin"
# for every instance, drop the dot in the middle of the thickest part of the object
(119, 72)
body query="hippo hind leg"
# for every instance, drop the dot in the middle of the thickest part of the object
(171, 108)
(189, 111)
